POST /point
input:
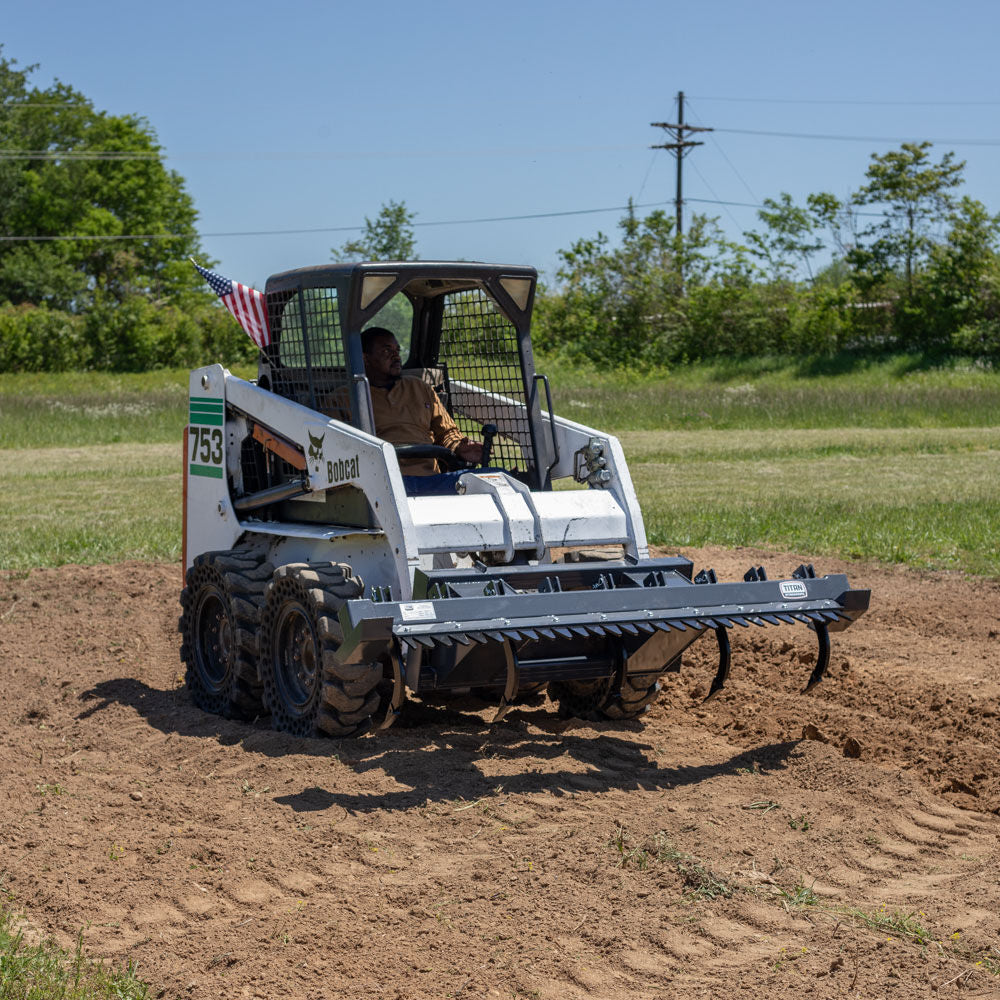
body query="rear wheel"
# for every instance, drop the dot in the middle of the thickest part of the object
(305, 689)
(603, 699)
(219, 621)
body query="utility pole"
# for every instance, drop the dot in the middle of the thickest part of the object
(679, 147)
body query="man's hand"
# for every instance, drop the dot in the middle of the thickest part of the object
(470, 451)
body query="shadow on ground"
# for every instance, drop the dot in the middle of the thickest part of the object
(434, 754)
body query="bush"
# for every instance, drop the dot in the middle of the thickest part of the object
(978, 340)
(134, 335)
(38, 339)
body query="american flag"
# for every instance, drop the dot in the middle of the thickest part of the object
(245, 303)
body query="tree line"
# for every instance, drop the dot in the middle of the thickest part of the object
(92, 301)
(908, 265)
(905, 263)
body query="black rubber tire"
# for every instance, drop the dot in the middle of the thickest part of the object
(220, 616)
(598, 700)
(306, 691)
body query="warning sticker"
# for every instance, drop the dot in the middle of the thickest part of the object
(417, 612)
(793, 590)
(497, 481)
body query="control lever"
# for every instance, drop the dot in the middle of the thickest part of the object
(489, 432)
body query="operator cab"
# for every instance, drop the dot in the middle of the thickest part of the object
(463, 327)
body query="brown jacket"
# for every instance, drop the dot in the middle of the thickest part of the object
(411, 413)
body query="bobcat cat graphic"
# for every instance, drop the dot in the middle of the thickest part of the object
(316, 447)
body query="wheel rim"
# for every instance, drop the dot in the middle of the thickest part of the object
(295, 656)
(213, 633)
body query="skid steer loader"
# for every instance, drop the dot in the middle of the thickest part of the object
(318, 592)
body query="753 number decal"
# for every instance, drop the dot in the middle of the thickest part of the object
(206, 445)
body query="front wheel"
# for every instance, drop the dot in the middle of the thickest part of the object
(305, 689)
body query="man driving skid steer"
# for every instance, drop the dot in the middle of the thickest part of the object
(408, 411)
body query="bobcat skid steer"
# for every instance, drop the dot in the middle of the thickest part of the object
(319, 593)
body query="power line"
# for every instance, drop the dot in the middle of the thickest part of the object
(860, 138)
(105, 154)
(717, 200)
(753, 194)
(121, 237)
(862, 102)
(806, 100)
(45, 104)
(82, 154)
(649, 169)
(124, 155)
(330, 229)
(747, 204)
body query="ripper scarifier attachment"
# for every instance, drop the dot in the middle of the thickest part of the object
(343, 592)
(555, 623)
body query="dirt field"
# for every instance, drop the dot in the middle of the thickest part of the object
(711, 851)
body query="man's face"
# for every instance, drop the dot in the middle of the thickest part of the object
(383, 363)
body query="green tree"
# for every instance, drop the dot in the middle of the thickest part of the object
(72, 295)
(790, 240)
(924, 275)
(388, 237)
(67, 171)
(916, 195)
(650, 299)
(961, 287)
(840, 219)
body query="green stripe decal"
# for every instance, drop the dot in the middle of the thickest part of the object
(207, 412)
(211, 471)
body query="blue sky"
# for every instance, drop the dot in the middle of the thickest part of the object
(309, 116)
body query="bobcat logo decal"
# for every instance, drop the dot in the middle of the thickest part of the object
(316, 447)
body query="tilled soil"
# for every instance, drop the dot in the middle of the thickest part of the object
(769, 843)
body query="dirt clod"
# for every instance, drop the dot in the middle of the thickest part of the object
(964, 788)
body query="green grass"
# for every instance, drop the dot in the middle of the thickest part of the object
(892, 461)
(924, 498)
(85, 408)
(82, 408)
(107, 503)
(800, 895)
(886, 921)
(889, 393)
(44, 971)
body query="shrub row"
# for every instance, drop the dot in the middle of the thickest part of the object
(134, 335)
(719, 320)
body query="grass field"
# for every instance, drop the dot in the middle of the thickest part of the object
(889, 461)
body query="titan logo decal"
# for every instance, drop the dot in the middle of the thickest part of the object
(316, 447)
(342, 470)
